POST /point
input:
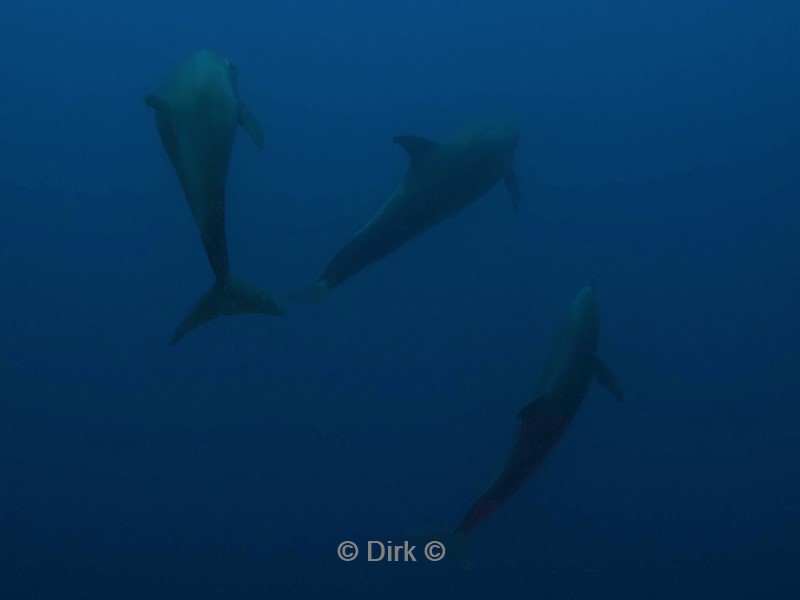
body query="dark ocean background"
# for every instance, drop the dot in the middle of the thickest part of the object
(659, 154)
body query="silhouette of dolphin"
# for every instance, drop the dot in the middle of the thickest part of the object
(562, 387)
(197, 111)
(442, 179)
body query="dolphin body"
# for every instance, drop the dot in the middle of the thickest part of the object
(197, 112)
(442, 179)
(560, 392)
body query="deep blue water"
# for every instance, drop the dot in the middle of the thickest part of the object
(659, 154)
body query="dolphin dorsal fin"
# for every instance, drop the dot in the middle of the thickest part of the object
(417, 147)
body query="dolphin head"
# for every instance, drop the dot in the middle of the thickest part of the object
(585, 310)
(233, 72)
(586, 294)
(206, 61)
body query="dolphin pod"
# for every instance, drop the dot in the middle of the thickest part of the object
(442, 179)
(197, 112)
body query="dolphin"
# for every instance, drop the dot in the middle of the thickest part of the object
(562, 386)
(197, 111)
(442, 179)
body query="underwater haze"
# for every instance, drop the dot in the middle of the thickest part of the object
(658, 155)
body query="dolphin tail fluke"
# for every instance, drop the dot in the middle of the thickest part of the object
(227, 297)
(313, 295)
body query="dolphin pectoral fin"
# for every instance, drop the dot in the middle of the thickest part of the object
(605, 377)
(227, 297)
(417, 147)
(250, 125)
(513, 187)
